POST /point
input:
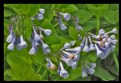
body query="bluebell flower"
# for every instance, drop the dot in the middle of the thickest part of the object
(10, 37)
(68, 55)
(92, 47)
(66, 45)
(36, 36)
(45, 48)
(34, 48)
(88, 69)
(11, 45)
(63, 26)
(50, 65)
(41, 10)
(62, 72)
(101, 32)
(72, 42)
(75, 50)
(101, 52)
(84, 73)
(46, 31)
(86, 47)
(113, 31)
(78, 27)
(79, 37)
(40, 16)
(23, 44)
(66, 16)
(82, 44)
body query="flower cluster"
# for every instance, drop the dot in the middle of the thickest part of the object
(88, 69)
(37, 40)
(40, 14)
(67, 17)
(15, 40)
(104, 43)
(76, 23)
(87, 44)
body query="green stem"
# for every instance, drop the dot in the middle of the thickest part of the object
(116, 61)
(98, 23)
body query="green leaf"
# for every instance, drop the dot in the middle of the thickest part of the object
(111, 16)
(102, 73)
(97, 9)
(8, 12)
(73, 33)
(34, 8)
(81, 6)
(21, 70)
(92, 56)
(83, 15)
(89, 25)
(69, 8)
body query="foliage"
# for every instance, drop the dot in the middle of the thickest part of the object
(19, 65)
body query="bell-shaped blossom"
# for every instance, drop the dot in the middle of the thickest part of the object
(62, 72)
(92, 47)
(66, 16)
(41, 10)
(84, 73)
(11, 45)
(72, 42)
(101, 32)
(50, 65)
(92, 65)
(36, 36)
(40, 16)
(101, 52)
(33, 50)
(46, 31)
(66, 45)
(63, 26)
(74, 50)
(23, 44)
(10, 37)
(113, 31)
(86, 47)
(68, 55)
(79, 37)
(45, 48)
(82, 44)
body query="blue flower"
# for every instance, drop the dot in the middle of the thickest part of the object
(78, 27)
(82, 44)
(10, 37)
(45, 48)
(88, 69)
(41, 10)
(11, 45)
(113, 31)
(62, 72)
(66, 16)
(63, 26)
(46, 31)
(86, 47)
(92, 47)
(50, 65)
(36, 36)
(40, 16)
(23, 44)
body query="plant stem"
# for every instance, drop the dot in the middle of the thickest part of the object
(116, 61)
(98, 23)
